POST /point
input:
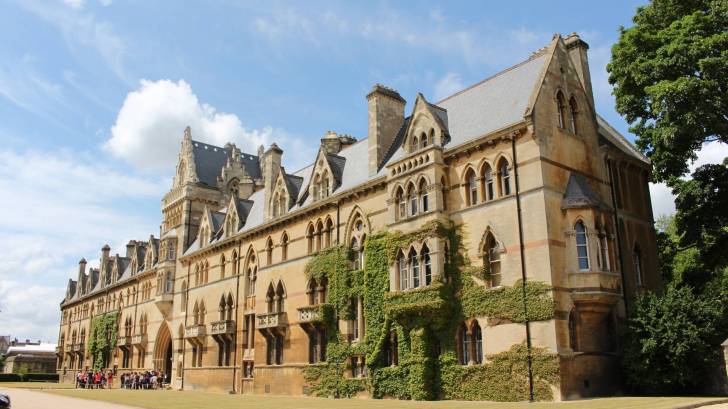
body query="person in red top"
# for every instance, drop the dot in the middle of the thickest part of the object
(110, 379)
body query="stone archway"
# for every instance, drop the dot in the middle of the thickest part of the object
(163, 351)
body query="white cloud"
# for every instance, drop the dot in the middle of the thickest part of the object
(663, 201)
(105, 3)
(59, 207)
(149, 127)
(448, 85)
(74, 4)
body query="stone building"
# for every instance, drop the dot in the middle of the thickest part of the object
(539, 184)
(30, 358)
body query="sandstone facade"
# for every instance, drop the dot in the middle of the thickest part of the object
(542, 186)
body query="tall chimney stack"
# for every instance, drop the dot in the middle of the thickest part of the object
(386, 116)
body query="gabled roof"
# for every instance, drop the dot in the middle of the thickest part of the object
(336, 163)
(610, 136)
(494, 103)
(579, 193)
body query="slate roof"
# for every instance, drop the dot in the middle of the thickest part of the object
(210, 159)
(492, 104)
(610, 136)
(579, 193)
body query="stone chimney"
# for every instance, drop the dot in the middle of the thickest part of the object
(271, 165)
(577, 49)
(81, 273)
(130, 248)
(386, 116)
(105, 254)
(331, 143)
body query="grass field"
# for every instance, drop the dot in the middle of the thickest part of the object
(197, 400)
(36, 385)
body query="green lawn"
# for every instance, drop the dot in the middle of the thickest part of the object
(36, 385)
(196, 400)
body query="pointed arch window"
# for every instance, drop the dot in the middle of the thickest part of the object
(477, 336)
(401, 204)
(319, 235)
(505, 177)
(310, 233)
(284, 247)
(572, 331)
(464, 345)
(573, 112)
(251, 275)
(488, 187)
(317, 187)
(403, 271)
(328, 233)
(431, 136)
(491, 260)
(269, 251)
(415, 144)
(414, 268)
(423, 140)
(561, 110)
(424, 196)
(427, 264)
(222, 266)
(582, 252)
(471, 187)
(412, 198)
(325, 185)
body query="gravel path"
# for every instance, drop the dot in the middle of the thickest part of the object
(26, 399)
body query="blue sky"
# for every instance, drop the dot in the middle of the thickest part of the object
(94, 96)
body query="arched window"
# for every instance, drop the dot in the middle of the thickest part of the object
(270, 301)
(415, 144)
(427, 263)
(319, 235)
(561, 110)
(200, 320)
(251, 275)
(423, 140)
(207, 271)
(317, 187)
(403, 271)
(280, 297)
(311, 292)
(431, 136)
(222, 308)
(424, 196)
(573, 112)
(274, 204)
(505, 177)
(477, 335)
(284, 247)
(269, 251)
(412, 198)
(637, 260)
(414, 268)
(401, 204)
(581, 246)
(464, 345)
(488, 187)
(168, 283)
(391, 352)
(328, 233)
(323, 284)
(222, 266)
(355, 253)
(491, 260)
(310, 233)
(471, 188)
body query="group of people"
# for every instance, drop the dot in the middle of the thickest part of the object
(94, 379)
(143, 380)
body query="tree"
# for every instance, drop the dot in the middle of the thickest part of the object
(669, 72)
(669, 343)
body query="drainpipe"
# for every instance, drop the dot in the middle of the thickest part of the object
(237, 305)
(523, 270)
(618, 235)
(184, 343)
(338, 215)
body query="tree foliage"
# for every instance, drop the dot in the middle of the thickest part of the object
(669, 72)
(670, 341)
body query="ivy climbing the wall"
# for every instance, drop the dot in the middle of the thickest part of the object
(102, 338)
(424, 322)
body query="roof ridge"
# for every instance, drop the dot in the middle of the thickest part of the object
(529, 59)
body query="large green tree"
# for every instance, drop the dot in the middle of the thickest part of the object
(669, 72)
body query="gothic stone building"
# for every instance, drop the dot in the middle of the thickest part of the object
(539, 184)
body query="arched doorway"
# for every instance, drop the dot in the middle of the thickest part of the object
(163, 351)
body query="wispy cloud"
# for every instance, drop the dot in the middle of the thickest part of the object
(82, 31)
(448, 85)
